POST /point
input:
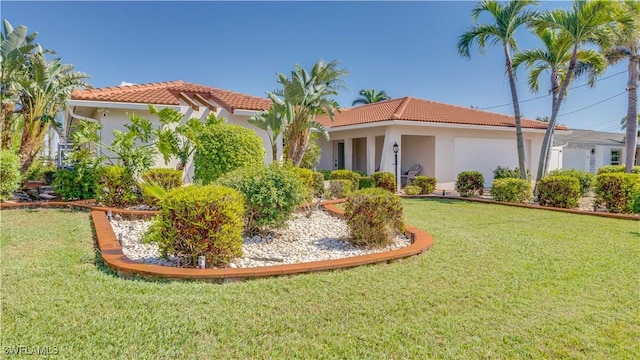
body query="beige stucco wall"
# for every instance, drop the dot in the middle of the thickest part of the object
(434, 147)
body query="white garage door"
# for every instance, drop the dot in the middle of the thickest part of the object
(484, 155)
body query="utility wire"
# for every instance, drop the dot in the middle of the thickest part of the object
(544, 96)
(594, 104)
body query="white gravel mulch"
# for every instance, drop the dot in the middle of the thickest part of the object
(317, 237)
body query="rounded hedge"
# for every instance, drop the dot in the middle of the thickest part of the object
(9, 174)
(609, 169)
(339, 189)
(366, 182)
(116, 187)
(511, 190)
(222, 148)
(412, 190)
(427, 184)
(385, 180)
(559, 191)
(617, 191)
(306, 177)
(199, 221)
(352, 176)
(470, 183)
(374, 217)
(584, 178)
(271, 193)
(318, 184)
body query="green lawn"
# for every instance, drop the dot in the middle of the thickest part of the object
(500, 282)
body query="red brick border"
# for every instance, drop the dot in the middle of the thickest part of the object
(113, 256)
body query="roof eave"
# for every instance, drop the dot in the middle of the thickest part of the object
(436, 124)
(117, 105)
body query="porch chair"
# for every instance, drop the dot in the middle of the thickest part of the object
(408, 177)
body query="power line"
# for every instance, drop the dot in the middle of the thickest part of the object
(544, 96)
(594, 104)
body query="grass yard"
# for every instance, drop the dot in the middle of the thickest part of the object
(500, 282)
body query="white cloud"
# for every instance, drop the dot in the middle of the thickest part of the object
(126, 83)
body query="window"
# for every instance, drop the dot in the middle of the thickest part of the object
(615, 157)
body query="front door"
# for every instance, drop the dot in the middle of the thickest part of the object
(339, 161)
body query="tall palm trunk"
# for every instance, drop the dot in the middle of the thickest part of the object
(631, 141)
(516, 113)
(545, 154)
(7, 116)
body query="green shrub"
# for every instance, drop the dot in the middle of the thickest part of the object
(9, 174)
(48, 176)
(470, 183)
(412, 190)
(506, 173)
(326, 174)
(617, 191)
(585, 178)
(374, 217)
(636, 204)
(318, 184)
(609, 169)
(40, 171)
(165, 179)
(385, 180)
(360, 172)
(306, 177)
(80, 180)
(559, 191)
(116, 187)
(347, 175)
(222, 148)
(199, 221)
(366, 182)
(271, 194)
(511, 190)
(339, 189)
(427, 184)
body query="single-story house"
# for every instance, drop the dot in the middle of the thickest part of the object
(109, 106)
(589, 150)
(443, 139)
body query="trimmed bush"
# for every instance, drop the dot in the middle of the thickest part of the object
(116, 187)
(165, 179)
(617, 191)
(199, 221)
(318, 184)
(271, 194)
(559, 191)
(506, 173)
(347, 175)
(326, 174)
(306, 177)
(360, 172)
(222, 148)
(366, 182)
(40, 171)
(9, 174)
(374, 217)
(585, 178)
(470, 183)
(427, 184)
(636, 204)
(385, 180)
(339, 189)
(609, 169)
(511, 190)
(412, 190)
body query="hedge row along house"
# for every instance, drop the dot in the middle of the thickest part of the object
(442, 139)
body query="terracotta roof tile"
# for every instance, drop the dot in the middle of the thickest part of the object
(412, 109)
(166, 93)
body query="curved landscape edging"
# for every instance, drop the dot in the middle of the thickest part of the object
(528, 206)
(114, 258)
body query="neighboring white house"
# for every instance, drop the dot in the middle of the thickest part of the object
(589, 150)
(110, 106)
(443, 139)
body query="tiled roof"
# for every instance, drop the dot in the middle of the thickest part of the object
(166, 93)
(412, 109)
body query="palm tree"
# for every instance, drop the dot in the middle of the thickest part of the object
(16, 44)
(627, 46)
(508, 18)
(370, 96)
(307, 95)
(44, 87)
(555, 59)
(271, 121)
(585, 23)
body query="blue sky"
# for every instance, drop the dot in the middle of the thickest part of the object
(404, 48)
